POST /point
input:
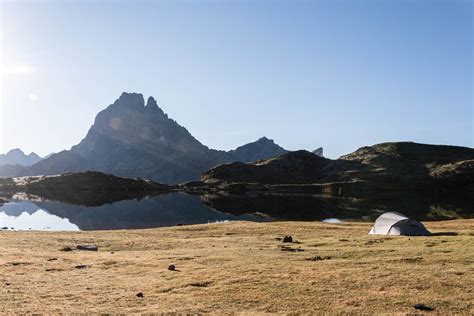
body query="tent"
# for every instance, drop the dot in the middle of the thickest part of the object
(393, 223)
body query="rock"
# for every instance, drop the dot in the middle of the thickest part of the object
(288, 239)
(4, 228)
(52, 259)
(87, 247)
(140, 294)
(65, 249)
(319, 258)
(81, 266)
(423, 307)
(172, 267)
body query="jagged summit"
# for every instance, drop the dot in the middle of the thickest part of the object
(151, 102)
(152, 107)
(130, 100)
(265, 139)
(263, 148)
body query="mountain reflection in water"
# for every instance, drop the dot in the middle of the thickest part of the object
(182, 209)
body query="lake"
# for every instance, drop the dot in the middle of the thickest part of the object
(182, 209)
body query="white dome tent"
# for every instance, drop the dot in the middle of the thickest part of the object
(393, 223)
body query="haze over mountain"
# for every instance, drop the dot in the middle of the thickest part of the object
(132, 138)
(18, 157)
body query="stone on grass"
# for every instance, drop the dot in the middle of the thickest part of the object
(423, 307)
(87, 247)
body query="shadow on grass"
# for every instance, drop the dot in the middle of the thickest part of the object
(445, 234)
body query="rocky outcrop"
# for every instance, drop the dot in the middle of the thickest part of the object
(319, 152)
(18, 157)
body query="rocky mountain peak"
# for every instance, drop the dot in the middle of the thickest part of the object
(152, 107)
(264, 139)
(151, 103)
(260, 149)
(18, 157)
(130, 100)
(15, 151)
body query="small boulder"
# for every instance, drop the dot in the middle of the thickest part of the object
(87, 247)
(288, 239)
(140, 294)
(66, 249)
(172, 267)
(81, 266)
(423, 307)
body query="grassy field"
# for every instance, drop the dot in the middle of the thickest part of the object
(240, 267)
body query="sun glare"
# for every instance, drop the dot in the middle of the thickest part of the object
(17, 69)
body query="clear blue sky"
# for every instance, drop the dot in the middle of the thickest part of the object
(337, 74)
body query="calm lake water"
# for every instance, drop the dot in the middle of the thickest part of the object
(182, 209)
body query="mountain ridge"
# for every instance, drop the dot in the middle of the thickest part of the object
(131, 138)
(386, 166)
(18, 157)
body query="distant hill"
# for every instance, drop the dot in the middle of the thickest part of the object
(263, 148)
(297, 167)
(18, 157)
(397, 166)
(131, 138)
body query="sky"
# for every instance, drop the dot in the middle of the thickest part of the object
(336, 74)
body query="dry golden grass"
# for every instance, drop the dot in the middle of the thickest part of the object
(239, 267)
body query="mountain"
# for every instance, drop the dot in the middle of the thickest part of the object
(263, 148)
(390, 166)
(131, 138)
(18, 157)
